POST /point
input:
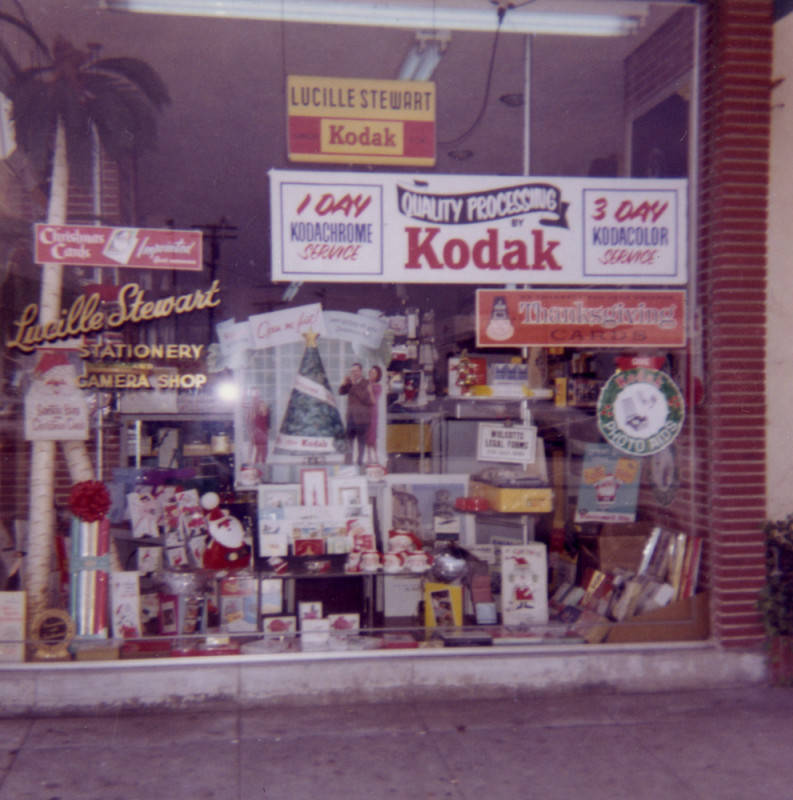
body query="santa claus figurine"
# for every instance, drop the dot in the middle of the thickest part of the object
(227, 548)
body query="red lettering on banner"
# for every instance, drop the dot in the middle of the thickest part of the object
(485, 253)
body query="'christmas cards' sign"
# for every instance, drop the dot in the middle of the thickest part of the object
(483, 229)
(94, 246)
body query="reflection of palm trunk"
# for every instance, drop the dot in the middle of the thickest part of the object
(41, 516)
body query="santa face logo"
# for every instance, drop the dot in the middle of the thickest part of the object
(640, 411)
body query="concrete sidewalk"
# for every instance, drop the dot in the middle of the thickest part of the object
(726, 744)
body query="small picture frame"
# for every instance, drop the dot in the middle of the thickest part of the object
(350, 491)
(443, 605)
(314, 487)
(425, 505)
(278, 495)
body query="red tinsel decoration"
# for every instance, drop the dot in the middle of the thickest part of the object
(89, 500)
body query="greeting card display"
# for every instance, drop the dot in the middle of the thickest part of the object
(125, 600)
(524, 584)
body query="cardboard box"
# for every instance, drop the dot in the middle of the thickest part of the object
(514, 501)
(620, 552)
(406, 437)
(681, 621)
(620, 545)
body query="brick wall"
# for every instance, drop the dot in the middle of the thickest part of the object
(731, 274)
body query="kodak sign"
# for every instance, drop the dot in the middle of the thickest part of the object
(356, 121)
(481, 229)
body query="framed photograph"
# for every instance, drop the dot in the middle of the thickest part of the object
(352, 491)
(424, 504)
(313, 487)
(278, 495)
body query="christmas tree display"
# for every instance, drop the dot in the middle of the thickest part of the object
(312, 424)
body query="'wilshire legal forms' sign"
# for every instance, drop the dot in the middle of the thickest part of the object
(477, 229)
(144, 248)
(355, 121)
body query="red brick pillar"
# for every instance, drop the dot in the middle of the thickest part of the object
(731, 285)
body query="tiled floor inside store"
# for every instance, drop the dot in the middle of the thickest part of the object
(730, 744)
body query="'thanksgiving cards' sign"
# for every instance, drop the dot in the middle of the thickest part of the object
(400, 228)
(90, 246)
(577, 318)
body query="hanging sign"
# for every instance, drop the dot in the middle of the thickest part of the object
(394, 227)
(355, 121)
(93, 246)
(640, 411)
(569, 318)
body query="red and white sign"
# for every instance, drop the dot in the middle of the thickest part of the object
(142, 248)
(424, 228)
(360, 121)
(571, 318)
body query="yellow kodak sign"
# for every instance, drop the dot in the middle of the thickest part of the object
(357, 121)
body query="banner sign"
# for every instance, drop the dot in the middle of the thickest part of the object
(94, 246)
(399, 228)
(355, 121)
(570, 318)
(288, 325)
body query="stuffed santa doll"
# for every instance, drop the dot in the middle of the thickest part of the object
(227, 548)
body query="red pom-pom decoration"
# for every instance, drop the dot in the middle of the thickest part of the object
(89, 500)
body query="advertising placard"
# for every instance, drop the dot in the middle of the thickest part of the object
(94, 246)
(287, 325)
(609, 487)
(357, 121)
(424, 228)
(509, 443)
(577, 318)
(640, 411)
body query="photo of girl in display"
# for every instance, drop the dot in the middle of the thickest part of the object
(375, 390)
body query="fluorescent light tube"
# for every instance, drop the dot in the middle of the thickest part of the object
(517, 20)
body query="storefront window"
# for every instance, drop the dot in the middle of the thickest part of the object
(357, 358)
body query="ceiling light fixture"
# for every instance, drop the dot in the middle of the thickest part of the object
(527, 19)
(424, 56)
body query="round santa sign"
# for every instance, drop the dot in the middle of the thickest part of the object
(640, 411)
